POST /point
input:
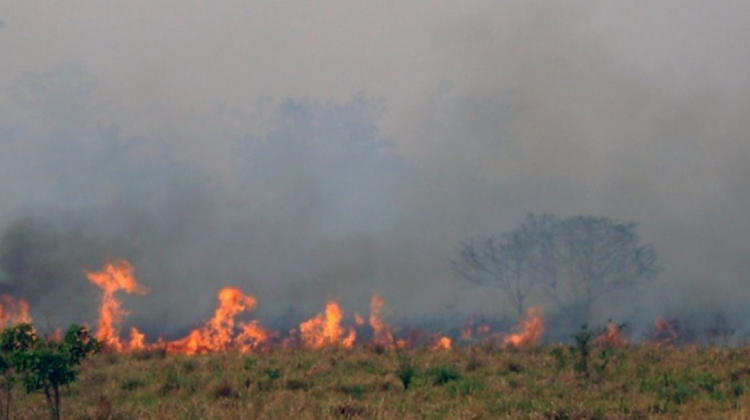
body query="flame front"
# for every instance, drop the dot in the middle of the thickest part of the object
(665, 333)
(382, 334)
(225, 332)
(116, 275)
(220, 333)
(325, 329)
(531, 330)
(443, 343)
(612, 337)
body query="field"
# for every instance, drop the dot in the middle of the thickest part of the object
(368, 382)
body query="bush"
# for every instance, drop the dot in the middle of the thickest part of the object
(445, 374)
(406, 373)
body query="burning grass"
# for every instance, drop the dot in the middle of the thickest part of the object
(230, 367)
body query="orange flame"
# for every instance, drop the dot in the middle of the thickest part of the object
(665, 332)
(325, 329)
(116, 275)
(467, 331)
(382, 334)
(443, 343)
(612, 337)
(219, 334)
(13, 311)
(471, 332)
(137, 340)
(531, 330)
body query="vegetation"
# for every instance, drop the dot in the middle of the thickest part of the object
(572, 262)
(484, 382)
(43, 364)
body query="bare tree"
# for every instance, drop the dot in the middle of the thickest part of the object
(577, 261)
(517, 262)
(594, 257)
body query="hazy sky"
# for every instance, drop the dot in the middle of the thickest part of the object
(335, 149)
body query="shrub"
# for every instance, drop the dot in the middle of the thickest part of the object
(445, 374)
(405, 373)
(583, 341)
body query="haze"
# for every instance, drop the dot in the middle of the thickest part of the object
(304, 151)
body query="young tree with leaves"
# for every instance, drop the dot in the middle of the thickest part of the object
(47, 365)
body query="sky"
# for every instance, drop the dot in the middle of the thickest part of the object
(334, 150)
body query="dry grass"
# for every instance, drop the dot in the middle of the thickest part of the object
(471, 383)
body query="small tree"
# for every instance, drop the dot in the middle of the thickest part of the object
(13, 340)
(47, 365)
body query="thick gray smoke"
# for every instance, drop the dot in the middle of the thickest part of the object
(637, 112)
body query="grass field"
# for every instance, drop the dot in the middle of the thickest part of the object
(482, 382)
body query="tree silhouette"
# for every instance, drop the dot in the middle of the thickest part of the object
(576, 261)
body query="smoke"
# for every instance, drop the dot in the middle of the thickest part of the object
(636, 117)
(464, 125)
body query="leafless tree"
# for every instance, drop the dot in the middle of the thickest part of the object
(594, 257)
(517, 262)
(576, 260)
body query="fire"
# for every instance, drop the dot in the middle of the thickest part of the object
(612, 337)
(665, 332)
(382, 334)
(531, 330)
(443, 343)
(13, 311)
(470, 332)
(221, 333)
(116, 275)
(137, 340)
(325, 329)
(227, 331)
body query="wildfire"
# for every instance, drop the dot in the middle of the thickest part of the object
(665, 332)
(382, 334)
(220, 333)
(530, 330)
(443, 343)
(229, 330)
(611, 337)
(13, 311)
(325, 329)
(137, 339)
(116, 275)
(470, 332)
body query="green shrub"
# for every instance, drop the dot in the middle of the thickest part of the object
(444, 374)
(405, 373)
